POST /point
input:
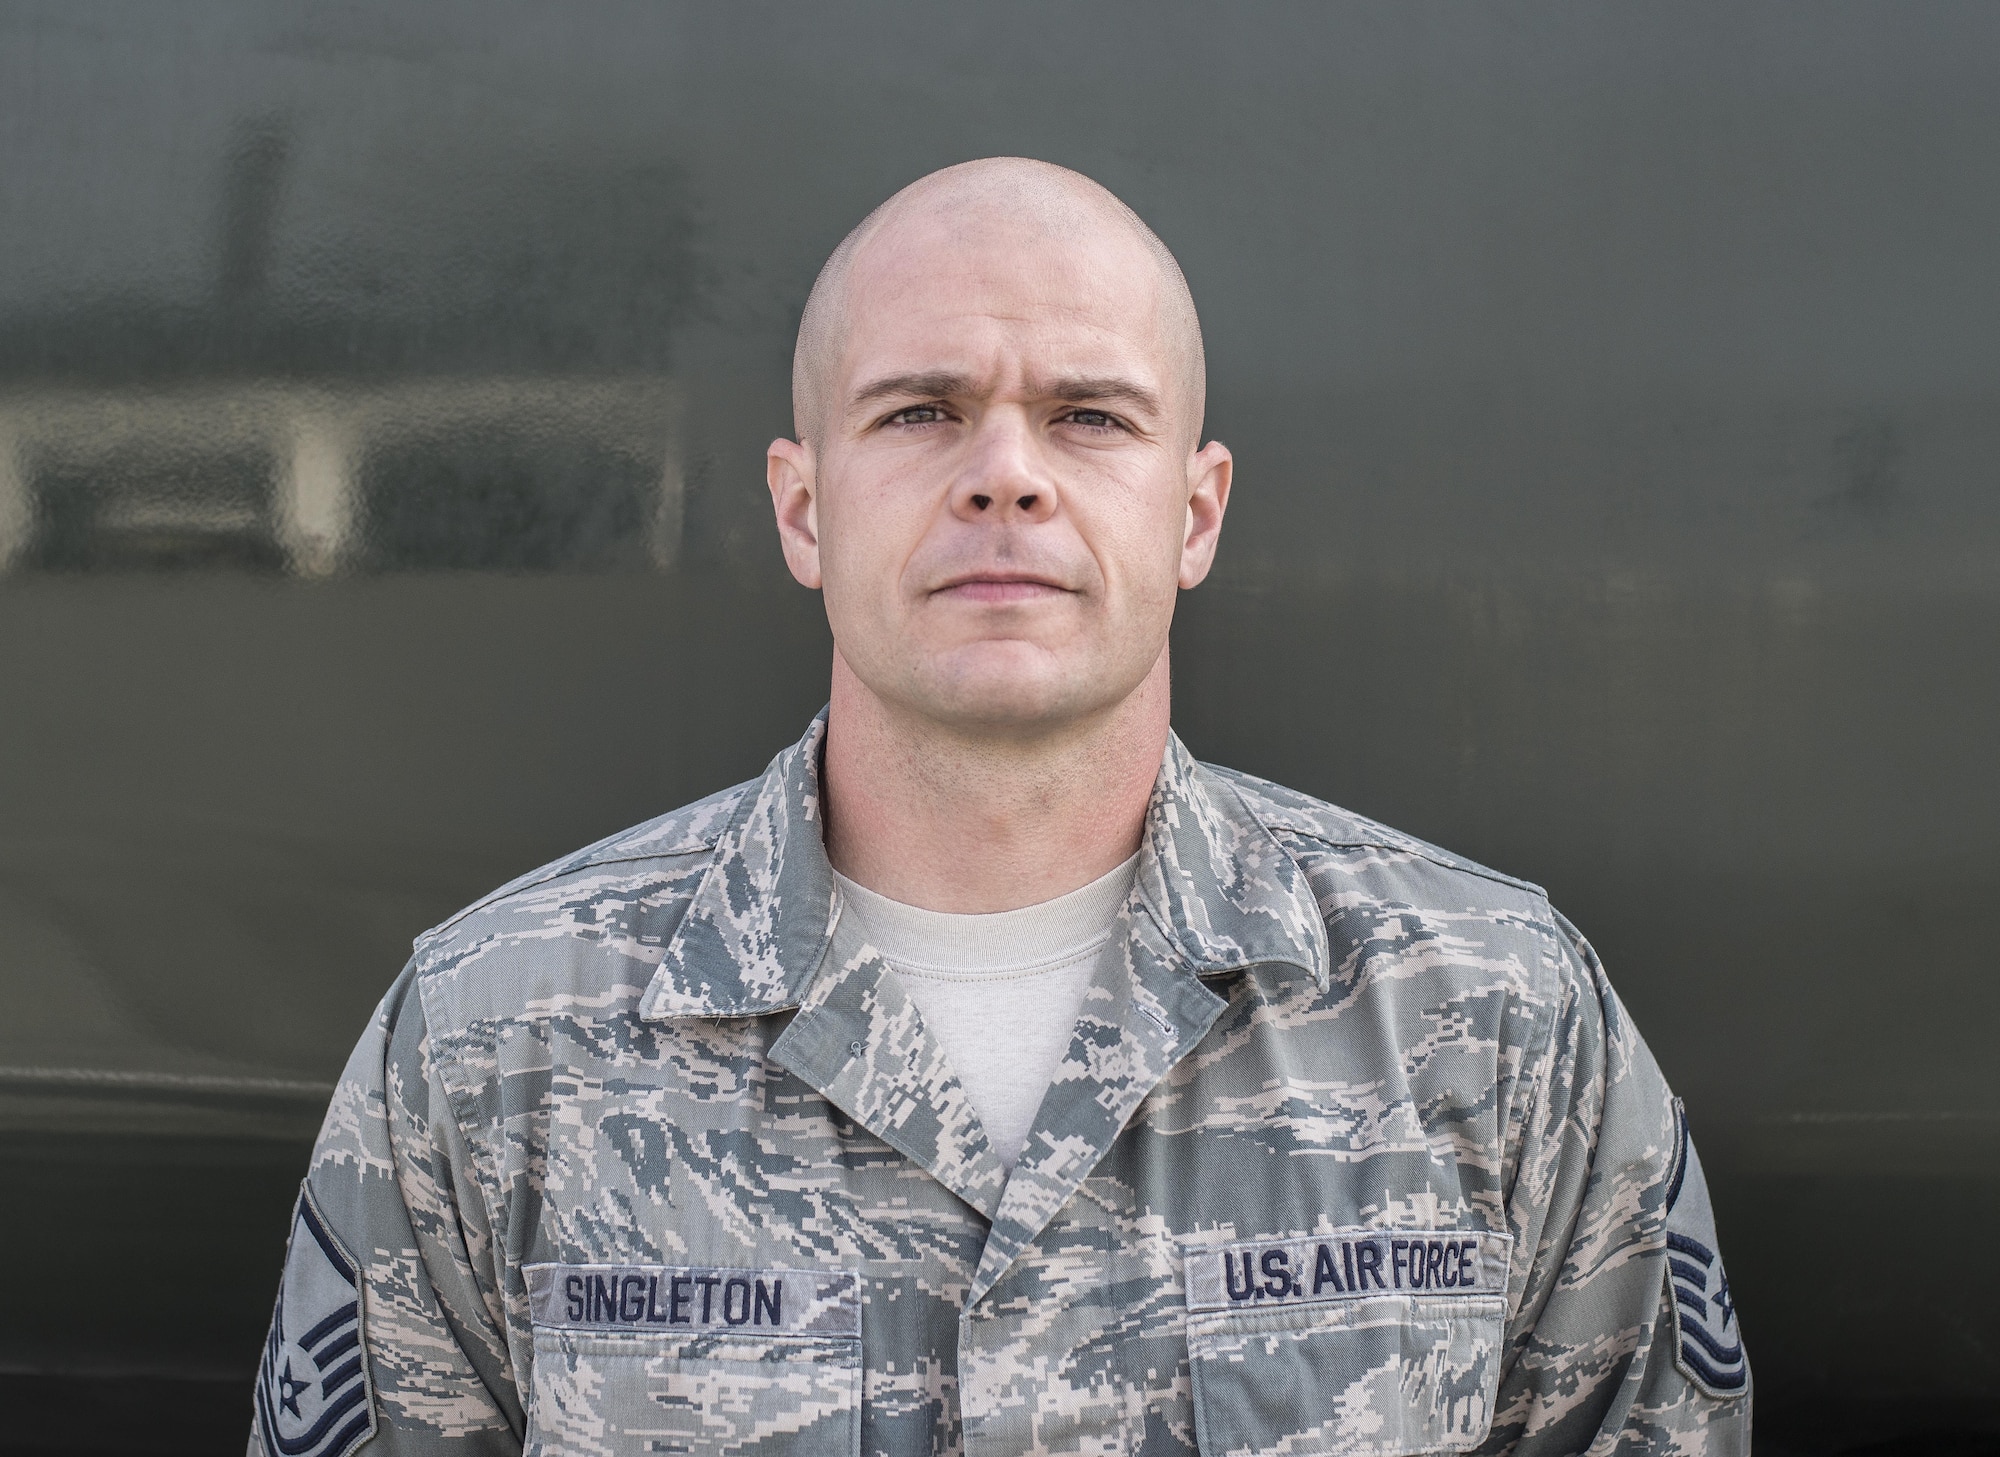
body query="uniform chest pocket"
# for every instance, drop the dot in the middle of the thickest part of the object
(705, 1362)
(1360, 1344)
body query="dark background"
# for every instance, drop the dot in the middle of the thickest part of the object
(383, 388)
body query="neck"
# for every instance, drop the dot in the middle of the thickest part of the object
(936, 817)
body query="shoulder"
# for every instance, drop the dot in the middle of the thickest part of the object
(1387, 895)
(1313, 828)
(591, 923)
(1439, 940)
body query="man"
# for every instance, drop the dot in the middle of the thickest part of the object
(990, 1076)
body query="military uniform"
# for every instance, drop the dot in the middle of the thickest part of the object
(1353, 1151)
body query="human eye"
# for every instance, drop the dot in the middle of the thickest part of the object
(928, 414)
(1091, 419)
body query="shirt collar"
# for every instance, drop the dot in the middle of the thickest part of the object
(1222, 889)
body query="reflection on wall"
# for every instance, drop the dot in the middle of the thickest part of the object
(327, 400)
(529, 475)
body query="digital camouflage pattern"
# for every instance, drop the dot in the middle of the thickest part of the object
(1354, 1151)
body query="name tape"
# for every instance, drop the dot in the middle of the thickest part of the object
(631, 1298)
(1347, 1265)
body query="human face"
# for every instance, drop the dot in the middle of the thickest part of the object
(1005, 497)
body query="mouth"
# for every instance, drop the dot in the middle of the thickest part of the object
(999, 588)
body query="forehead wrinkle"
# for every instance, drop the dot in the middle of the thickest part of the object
(1016, 194)
(1110, 378)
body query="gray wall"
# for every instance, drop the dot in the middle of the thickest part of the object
(382, 396)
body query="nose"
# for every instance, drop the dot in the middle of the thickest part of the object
(1004, 478)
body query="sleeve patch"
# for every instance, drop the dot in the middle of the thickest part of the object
(1708, 1344)
(314, 1397)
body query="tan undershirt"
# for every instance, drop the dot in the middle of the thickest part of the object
(999, 992)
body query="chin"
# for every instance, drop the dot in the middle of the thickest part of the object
(1006, 703)
(1001, 716)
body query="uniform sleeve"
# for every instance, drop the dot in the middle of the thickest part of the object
(385, 1338)
(1624, 1339)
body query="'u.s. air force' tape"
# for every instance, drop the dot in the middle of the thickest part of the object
(688, 1298)
(1348, 1264)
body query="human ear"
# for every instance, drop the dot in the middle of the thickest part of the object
(1209, 473)
(789, 469)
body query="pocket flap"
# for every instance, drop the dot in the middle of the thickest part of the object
(708, 1362)
(1363, 1343)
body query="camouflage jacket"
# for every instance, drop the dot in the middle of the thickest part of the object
(1353, 1151)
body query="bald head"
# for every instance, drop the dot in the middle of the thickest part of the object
(967, 206)
(998, 488)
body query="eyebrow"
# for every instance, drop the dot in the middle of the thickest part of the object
(1073, 389)
(1086, 389)
(932, 385)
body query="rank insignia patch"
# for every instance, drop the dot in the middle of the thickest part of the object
(1708, 1342)
(1711, 1348)
(313, 1393)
